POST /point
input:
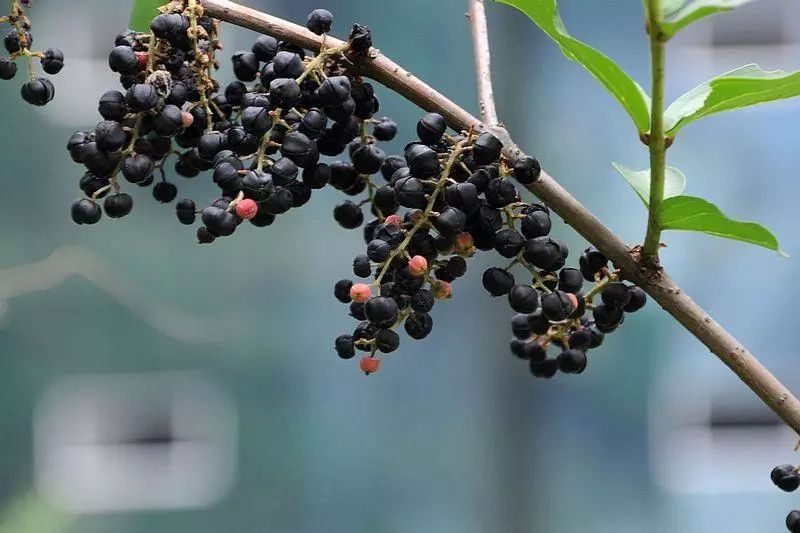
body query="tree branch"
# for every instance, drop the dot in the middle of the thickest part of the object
(483, 61)
(653, 280)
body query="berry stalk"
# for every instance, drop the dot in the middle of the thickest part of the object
(656, 140)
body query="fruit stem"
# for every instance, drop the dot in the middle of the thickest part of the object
(424, 219)
(319, 61)
(657, 140)
(199, 66)
(262, 148)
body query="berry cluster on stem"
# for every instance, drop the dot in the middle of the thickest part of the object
(18, 42)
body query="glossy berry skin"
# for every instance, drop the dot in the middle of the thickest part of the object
(53, 61)
(8, 69)
(638, 299)
(246, 209)
(164, 192)
(557, 305)
(265, 48)
(348, 215)
(245, 66)
(118, 205)
(487, 149)
(527, 169)
(572, 361)
(141, 97)
(370, 365)
(85, 211)
(591, 262)
(385, 130)
(319, 21)
(607, 318)
(38, 92)
(431, 128)
(109, 136)
(112, 106)
(616, 295)
(508, 242)
(417, 266)
(186, 211)
(342, 290)
(523, 299)
(570, 280)
(381, 311)
(345, 347)
(497, 281)
(793, 521)
(785, 477)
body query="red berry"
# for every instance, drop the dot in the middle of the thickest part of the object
(370, 365)
(142, 58)
(247, 209)
(441, 290)
(360, 292)
(393, 220)
(465, 245)
(187, 119)
(573, 299)
(417, 266)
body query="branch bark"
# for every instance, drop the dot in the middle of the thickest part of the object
(655, 281)
(483, 61)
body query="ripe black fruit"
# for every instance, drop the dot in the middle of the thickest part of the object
(348, 215)
(527, 169)
(431, 128)
(497, 281)
(345, 347)
(319, 21)
(118, 205)
(523, 299)
(52, 61)
(557, 306)
(85, 211)
(381, 311)
(487, 149)
(38, 91)
(418, 325)
(572, 361)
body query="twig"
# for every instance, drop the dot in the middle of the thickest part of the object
(657, 142)
(653, 280)
(483, 61)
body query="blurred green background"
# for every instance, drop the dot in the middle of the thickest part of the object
(453, 435)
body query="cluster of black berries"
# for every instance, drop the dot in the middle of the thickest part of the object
(262, 136)
(552, 309)
(460, 198)
(787, 478)
(18, 40)
(167, 101)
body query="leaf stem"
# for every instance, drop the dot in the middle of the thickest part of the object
(657, 141)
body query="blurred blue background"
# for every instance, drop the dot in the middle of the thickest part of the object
(453, 435)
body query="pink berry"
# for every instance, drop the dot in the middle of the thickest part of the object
(360, 292)
(246, 209)
(417, 266)
(186, 119)
(370, 365)
(393, 220)
(441, 290)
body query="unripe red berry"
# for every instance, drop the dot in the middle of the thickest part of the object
(247, 209)
(360, 292)
(141, 59)
(393, 220)
(187, 119)
(465, 245)
(573, 299)
(370, 365)
(441, 290)
(417, 266)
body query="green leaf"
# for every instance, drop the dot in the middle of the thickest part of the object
(674, 182)
(143, 12)
(693, 11)
(745, 86)
(687, 213)
(632, 97)
(668, 7)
